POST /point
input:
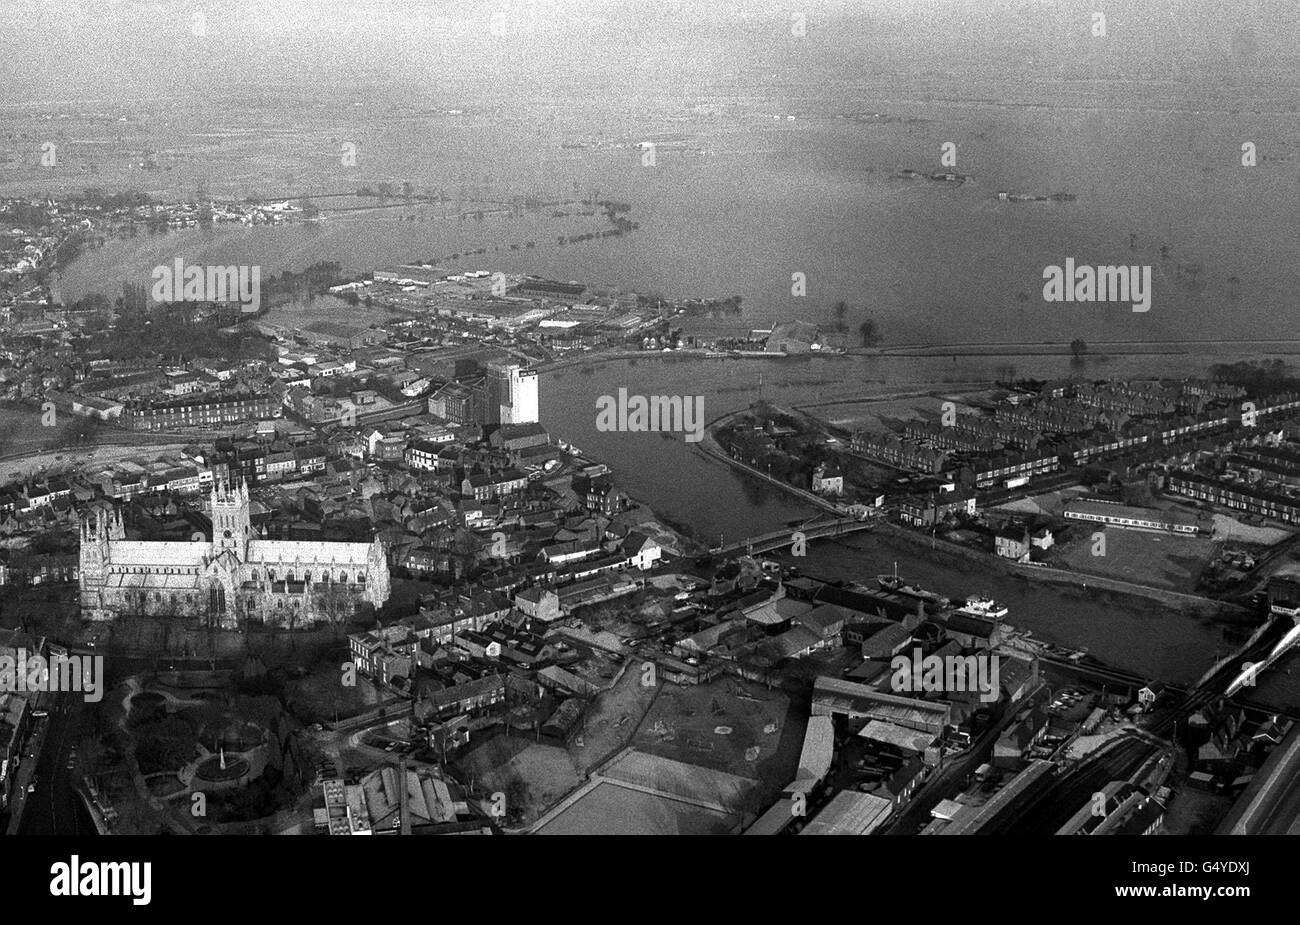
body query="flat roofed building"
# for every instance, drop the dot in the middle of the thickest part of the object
(850, 813)
(1129, 517)
(459, 403)
(817, 755)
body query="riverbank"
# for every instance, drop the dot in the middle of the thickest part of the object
(1099, 352)
(709, 445)
(1202, 606)
(1131, 632)
(685, 353)
(1095, 349)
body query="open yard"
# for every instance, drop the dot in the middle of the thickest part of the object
(728, 725)
(1160, 560)
(1229, 528)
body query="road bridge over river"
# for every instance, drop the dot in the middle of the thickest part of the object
(814, 529)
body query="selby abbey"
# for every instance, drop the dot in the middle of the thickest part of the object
(235, 578)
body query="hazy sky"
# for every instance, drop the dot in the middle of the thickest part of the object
(67, 49)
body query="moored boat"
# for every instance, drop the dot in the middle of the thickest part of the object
(983, 607)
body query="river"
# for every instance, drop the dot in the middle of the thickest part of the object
(930, 262)
(690, 487)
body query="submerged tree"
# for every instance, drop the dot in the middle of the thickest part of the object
(841, 312)
(870, 333)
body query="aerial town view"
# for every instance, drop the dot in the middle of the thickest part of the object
(595, 417)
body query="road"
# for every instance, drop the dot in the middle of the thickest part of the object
(56, 808)
(33, 742)
(950, 780)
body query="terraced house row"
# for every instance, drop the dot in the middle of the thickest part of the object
(1260, 501)
(1005, 448)
(204, 411)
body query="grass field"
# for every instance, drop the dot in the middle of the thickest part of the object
(872, 414)
(535, 774)
(1160, 560)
